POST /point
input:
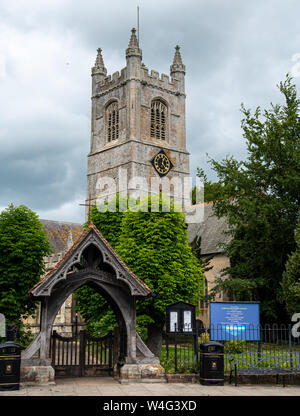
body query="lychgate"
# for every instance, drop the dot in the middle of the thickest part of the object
(92, 261)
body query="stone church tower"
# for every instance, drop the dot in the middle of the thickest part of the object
(137, 126)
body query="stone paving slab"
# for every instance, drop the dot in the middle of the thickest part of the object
(105, 386)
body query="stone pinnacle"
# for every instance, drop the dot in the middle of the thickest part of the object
(133, 43)
(99, 60)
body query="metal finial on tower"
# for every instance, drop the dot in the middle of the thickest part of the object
(138, 24)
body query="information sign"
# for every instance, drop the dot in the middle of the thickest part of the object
(234, 321)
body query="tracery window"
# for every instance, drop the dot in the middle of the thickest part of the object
(158, 120)
(112, 120)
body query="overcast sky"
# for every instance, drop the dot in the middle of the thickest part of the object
(234, 51)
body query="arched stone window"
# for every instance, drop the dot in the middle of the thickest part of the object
(112, 121)
(158, 120)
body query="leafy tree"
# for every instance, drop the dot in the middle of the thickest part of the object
(262, 218)
(23, 246)
(108, 218)
(291, 277)
(212, 190)
(155, 246)
(204, 261)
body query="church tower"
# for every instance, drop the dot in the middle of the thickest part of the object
(137, 126)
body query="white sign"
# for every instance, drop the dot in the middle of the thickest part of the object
(187, 321)
(173, 321)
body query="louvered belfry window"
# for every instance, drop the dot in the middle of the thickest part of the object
(158, 120)
(112, 117)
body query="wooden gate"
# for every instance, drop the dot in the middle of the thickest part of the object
(82, 355)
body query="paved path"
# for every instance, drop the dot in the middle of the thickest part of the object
(106, 386)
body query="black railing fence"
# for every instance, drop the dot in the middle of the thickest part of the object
(180, 351)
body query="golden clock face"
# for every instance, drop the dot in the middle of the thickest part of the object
(161, 163)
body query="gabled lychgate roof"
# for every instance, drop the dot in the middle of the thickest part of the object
(91, 236)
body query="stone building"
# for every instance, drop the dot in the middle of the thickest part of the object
(138, 128)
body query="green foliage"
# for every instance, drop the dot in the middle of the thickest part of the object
(108, 218)
(188, 368)
(234, 347)
(23, 245)
(196, 248)
(89, 303)
(204, 263)
(262, 217)
(96, 312)
(212, 191)
(102, 326)
(141, 326)
(167, 364)
(291, 277)
(25, 336)
(204, 337)
(184, 364)
(154, 245)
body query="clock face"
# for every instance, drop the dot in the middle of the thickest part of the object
(161, 163)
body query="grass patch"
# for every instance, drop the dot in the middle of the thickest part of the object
(186, 362)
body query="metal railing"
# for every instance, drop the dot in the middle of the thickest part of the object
(180, 352)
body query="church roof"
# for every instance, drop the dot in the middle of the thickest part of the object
(211, 230)
(59, 231)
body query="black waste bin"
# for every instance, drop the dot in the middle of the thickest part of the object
(10, 362)
(212, 363)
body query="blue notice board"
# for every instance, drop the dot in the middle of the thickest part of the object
(234, 321)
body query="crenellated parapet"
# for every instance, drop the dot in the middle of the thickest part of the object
(135, 70)
(160, 81)
(115, 80)
(151, 78)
